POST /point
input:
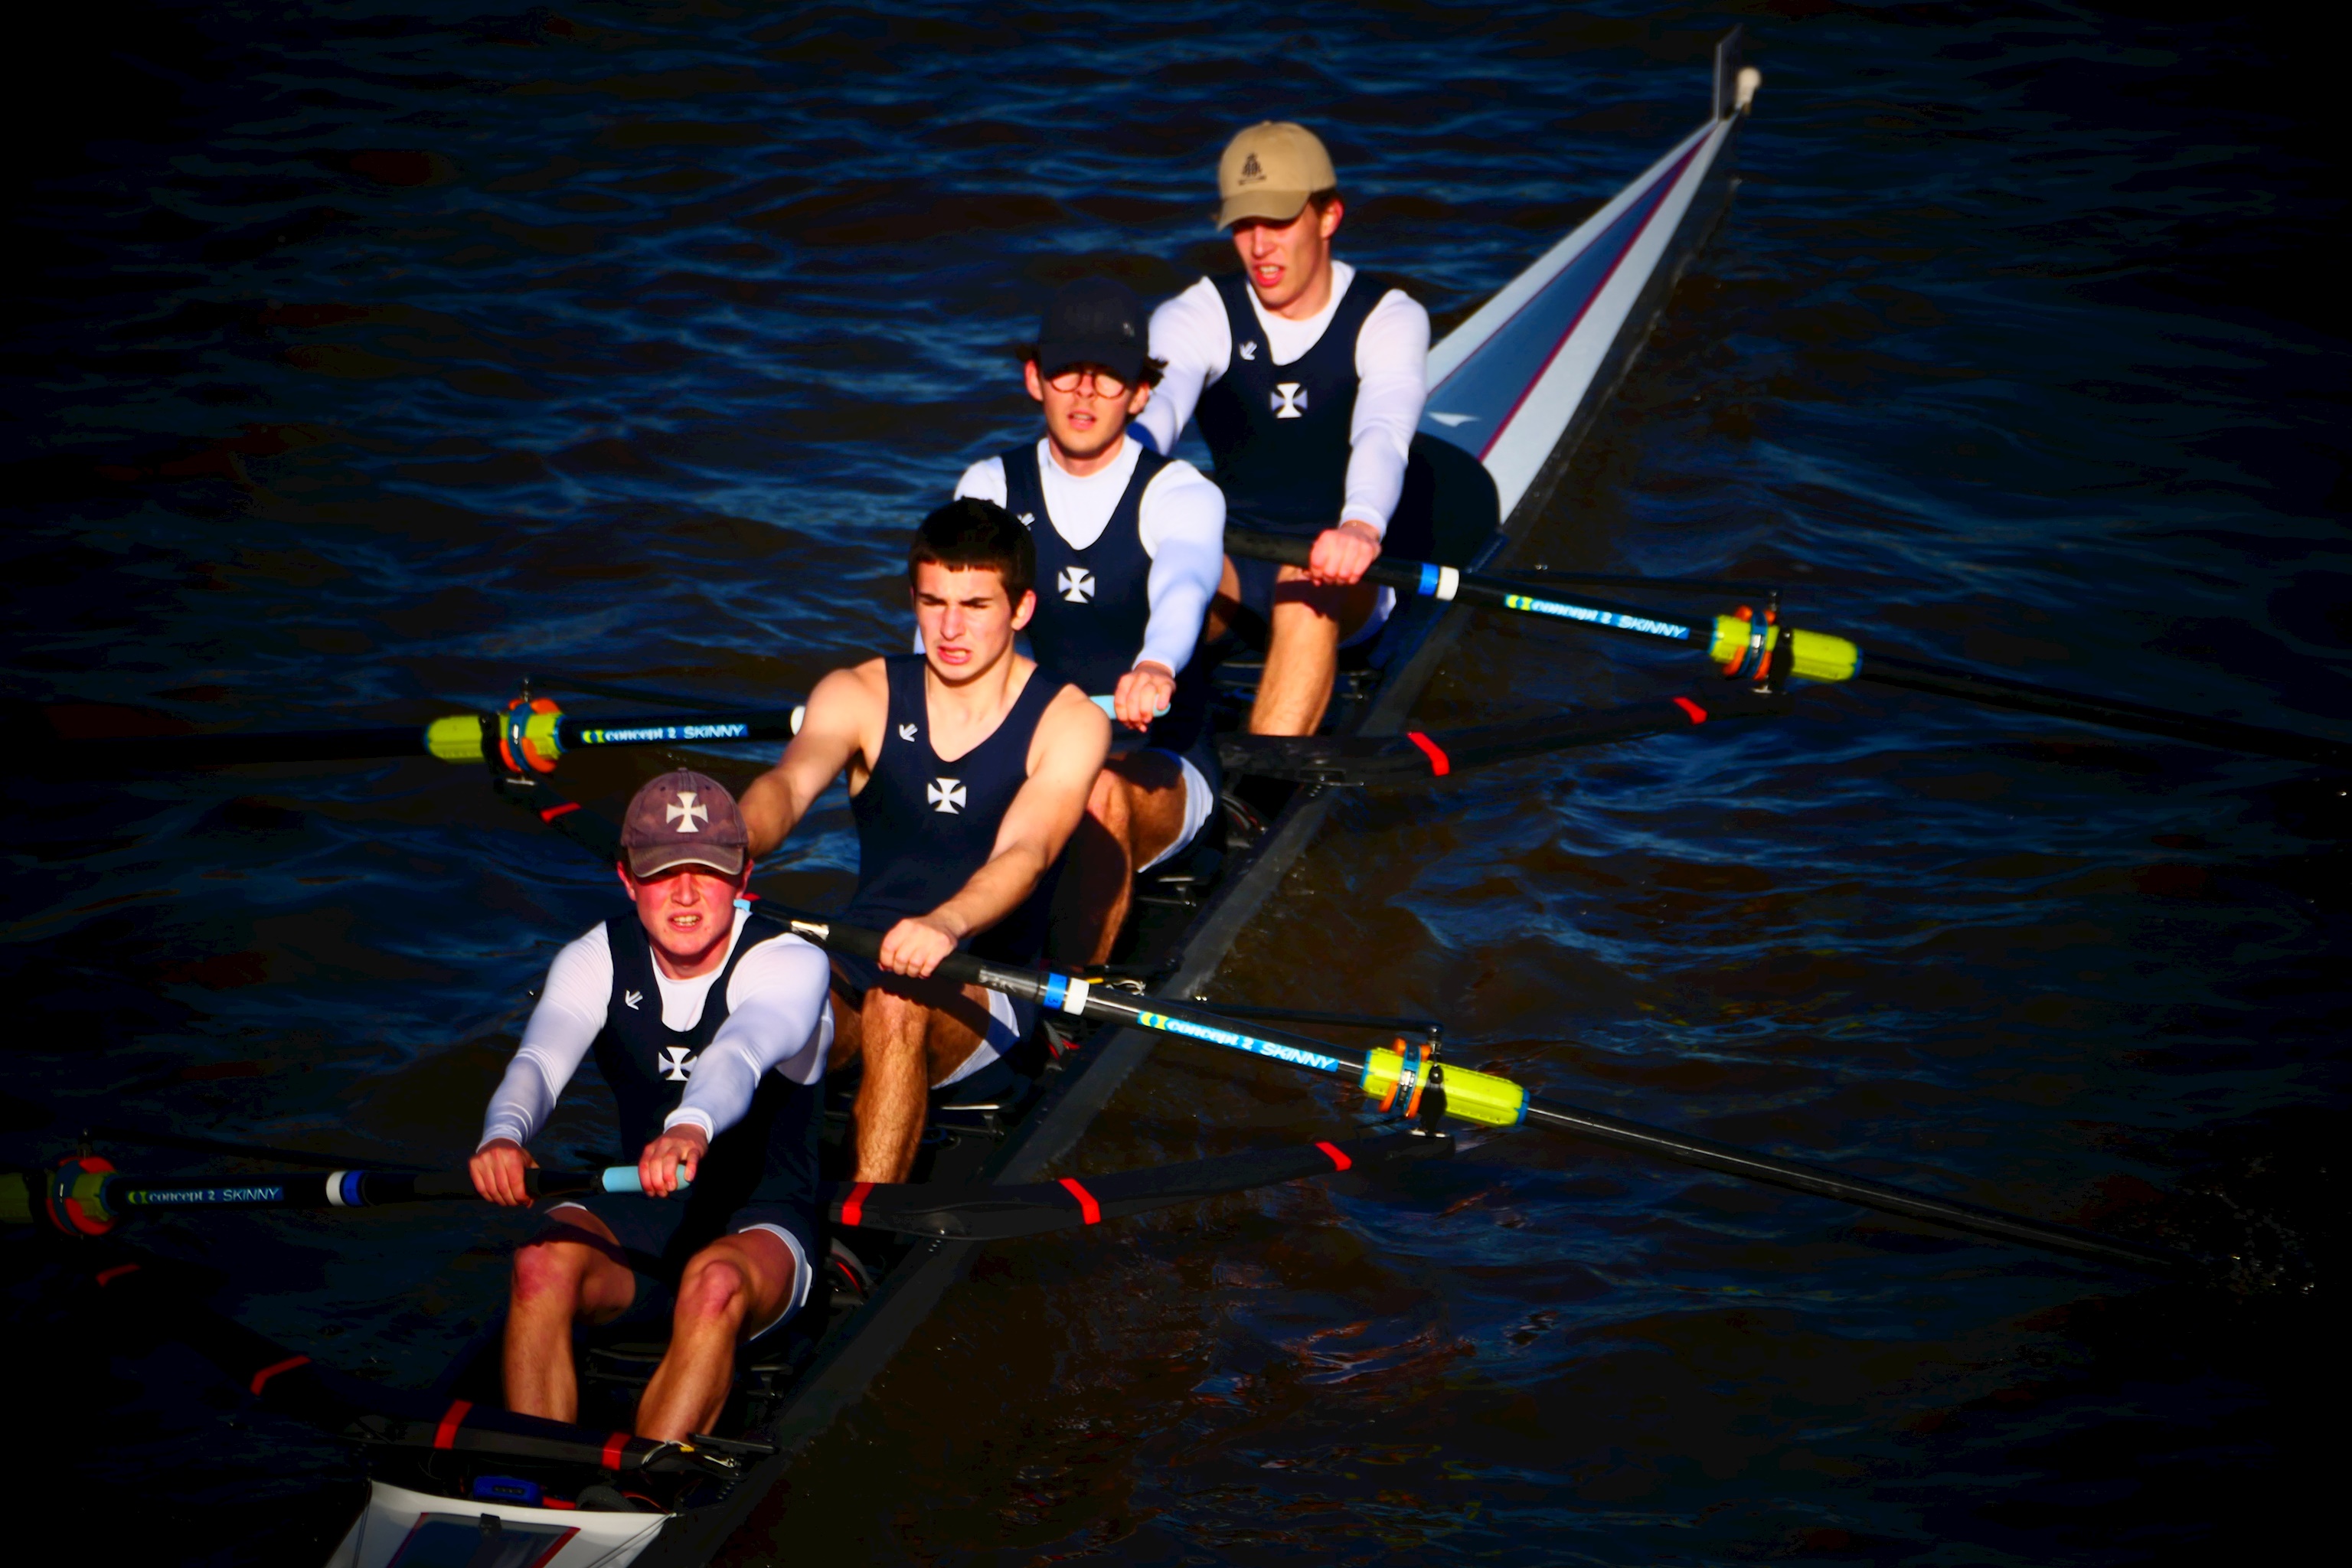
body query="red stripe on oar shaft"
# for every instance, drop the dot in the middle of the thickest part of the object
(266, 1372)
(1338, 1156)
(446, 1436)
(853, 1207)
(109, 1276)
(1088, 1210)
(1697, 714)
(1439, 763)
(616, 1446)
(552, 812)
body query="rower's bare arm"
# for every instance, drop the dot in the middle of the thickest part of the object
(498, 1169)
(1072, 741)
(843, 725)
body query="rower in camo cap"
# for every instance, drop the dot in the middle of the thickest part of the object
(711, 1031)
(1130, 546)
(1308, 378)
(968, 768)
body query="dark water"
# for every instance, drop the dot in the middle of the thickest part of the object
(363, 364)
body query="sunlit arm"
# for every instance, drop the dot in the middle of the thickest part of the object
(844, 706)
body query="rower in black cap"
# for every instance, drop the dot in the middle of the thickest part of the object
(1130, 547)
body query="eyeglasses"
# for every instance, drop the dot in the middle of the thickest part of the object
(1106, 383)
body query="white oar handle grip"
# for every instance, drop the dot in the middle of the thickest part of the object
(623, 1179)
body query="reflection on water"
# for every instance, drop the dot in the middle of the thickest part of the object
(371, 363)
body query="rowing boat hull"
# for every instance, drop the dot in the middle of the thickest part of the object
(1515, 386)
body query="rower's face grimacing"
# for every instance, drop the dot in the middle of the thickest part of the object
(1087, 409)
(1284, 260)
(966, 619)
(686, 911)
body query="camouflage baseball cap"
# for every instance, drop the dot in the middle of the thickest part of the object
(684, 819)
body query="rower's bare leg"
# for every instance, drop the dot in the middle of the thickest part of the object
(911, 1034)
(1225, 608)
(736, 1285)
(1135, 814)
(1302, 654)
(557, 1280)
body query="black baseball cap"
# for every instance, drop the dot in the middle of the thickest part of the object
(1095, 320)
(683, 818)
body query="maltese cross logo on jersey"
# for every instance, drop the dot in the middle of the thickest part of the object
(1028, 520)
(1289, 401)
(1249, 349)
(688, 810)
(1075, 583)
(906, 731)
(676, 1063)
(945, 796)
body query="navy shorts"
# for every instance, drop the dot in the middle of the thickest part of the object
(659, 1234)
(1257, 579)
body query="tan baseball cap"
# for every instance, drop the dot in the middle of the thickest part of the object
(1269, 171)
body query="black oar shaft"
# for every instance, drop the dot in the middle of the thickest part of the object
(1476, 1096)
(2113, 713)
(1814, 656)
(1753, 1166)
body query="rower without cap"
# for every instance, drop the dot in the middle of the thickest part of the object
(711, 1030)
(1129, 546)
(969, 769)
(1308, 379)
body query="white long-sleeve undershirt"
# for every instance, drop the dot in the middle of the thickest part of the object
(1180, 520)
(1192, 334)
(777, 1021)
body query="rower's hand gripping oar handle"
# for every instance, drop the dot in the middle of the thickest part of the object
(1737, 642)
(88, 1197)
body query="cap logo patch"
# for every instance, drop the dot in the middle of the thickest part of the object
(947, 794)
(686, 813)
(1075, 583)
(1250, 170)
(1289, 401)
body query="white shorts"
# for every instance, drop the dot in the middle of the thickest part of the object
(1005, 1032)
(1384, 605)
(1199, 801)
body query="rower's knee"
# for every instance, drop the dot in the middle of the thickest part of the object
(712, 1293)
(548, 1270)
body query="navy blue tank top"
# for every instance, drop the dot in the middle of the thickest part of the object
(1280, 433)
(647, 1064)
(1094, 605)
(925, 825)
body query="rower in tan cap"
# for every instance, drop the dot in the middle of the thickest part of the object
(1308, 379)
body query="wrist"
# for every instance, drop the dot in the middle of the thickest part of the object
(1154, 666)
(683, 1120)
(1370, 531)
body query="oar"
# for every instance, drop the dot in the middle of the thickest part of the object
(529, 736)
(90, 1197)
(1444, 753)
(1413, 1083)
(1749, 646)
